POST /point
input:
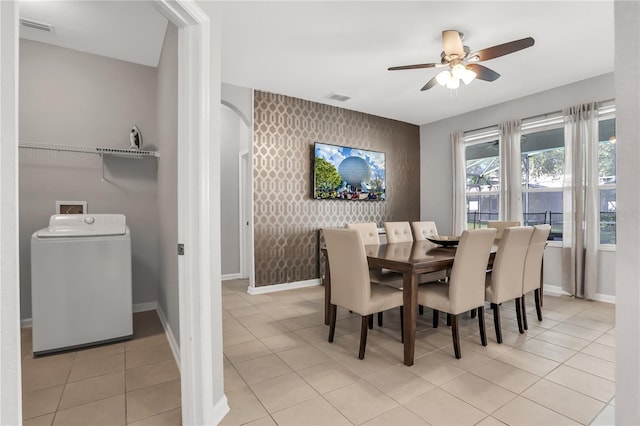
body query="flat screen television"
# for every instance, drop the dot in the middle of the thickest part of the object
(343, 173)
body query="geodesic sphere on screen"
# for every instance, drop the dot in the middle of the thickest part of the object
(354, 170)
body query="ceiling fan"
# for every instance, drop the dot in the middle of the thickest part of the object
(462, 64)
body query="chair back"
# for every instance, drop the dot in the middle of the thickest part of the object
(508, 266)
(500, 226)
(368, 232)
(398, 232)
(422, 230)
(350, 280)
(533, 261)
(468, 275)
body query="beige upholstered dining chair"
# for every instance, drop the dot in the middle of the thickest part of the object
(504, 282)
(466, 287)
(531, 278)
(422, 230)
(368, 232)
(398, 232)
(351, 286)
(500, 226)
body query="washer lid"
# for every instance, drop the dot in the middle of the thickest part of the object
(84, 225)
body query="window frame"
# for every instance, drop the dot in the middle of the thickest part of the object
(491, 134)
(607, 112)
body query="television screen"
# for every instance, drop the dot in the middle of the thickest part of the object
(343, 173)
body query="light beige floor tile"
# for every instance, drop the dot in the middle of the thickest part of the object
(243, 407)
(148, 355)
(601, 351)
(478, 392)
(492, 350)
(521, 411)
(489, 421)
(547, 350)
(45, 420)
(89, 390)
(399, 384)
(267, 329)
(440, 408)
(565, 401)
(470, 359)
(246, 351)
(233, 337)
(588, 384)
(435, 369)
(108, 412)
(152, 374)
(398, 416)
(260, 299)
(145, 342)
(528, 361)
(590, 323)
(607, 339)
(593, 365)
(100, 351)
(299, 322)
(303, 357)
(244, 311)
(374, 364)
(93, 367)
(283, 392)
(169, 418)
(328, 376)
(152, 400)
(42, 401)
(232, 380)
(607, 417)
(505, 375)
(263, 421)
(282, 342)
(45, 372)
(316, 411)
(577, 331)
(253, 319)
(564, 340)
(360, 402)
(260, 369)
(233, 301)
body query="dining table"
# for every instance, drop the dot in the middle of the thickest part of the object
(409, 259)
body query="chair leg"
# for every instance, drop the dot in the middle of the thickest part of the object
(496, 321)
(379, 319)
(436, 316)
(483, 331)
(370, 321)
(455, 335)
(473, 313)
(536, 294)
(420, 309)
(363, 334)
(525, 322)
(519, 315)
(332, 321)
(402, 324)
(448, 320)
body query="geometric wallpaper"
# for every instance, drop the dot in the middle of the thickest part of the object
(286, 217)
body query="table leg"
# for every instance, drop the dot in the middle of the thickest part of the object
(410, 299)
(327, 290)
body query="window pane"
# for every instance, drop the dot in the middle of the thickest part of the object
(607, 216)
(483, 167)
(481, 209)
(544, 207)
(607, 151)
(542, 162)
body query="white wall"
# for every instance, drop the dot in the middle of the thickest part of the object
(64, 100)
(436, 186)
(168, 301)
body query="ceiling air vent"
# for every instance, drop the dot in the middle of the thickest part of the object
(338, 97)
(35, 24)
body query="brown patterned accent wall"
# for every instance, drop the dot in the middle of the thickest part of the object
(286, 217)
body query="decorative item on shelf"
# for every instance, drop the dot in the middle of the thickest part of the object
(136, 138)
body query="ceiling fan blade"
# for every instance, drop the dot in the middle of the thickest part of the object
(483, 73)
(430, 84)
(503, 49)
(452, 43)
(412, 67)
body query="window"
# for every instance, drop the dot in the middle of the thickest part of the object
(483, 182)
(542, 174)
(607, 177)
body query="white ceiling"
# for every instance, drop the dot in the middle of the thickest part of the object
(311, 49)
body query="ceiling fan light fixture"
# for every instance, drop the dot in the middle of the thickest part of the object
(444, 78)
(457, 71)
(468, 75)
(454, 83)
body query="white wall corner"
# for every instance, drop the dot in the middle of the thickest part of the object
(175, 347)
(227, 277)
(282, 287)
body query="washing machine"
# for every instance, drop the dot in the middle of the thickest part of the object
(81, 282)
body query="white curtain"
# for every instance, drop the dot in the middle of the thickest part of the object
(581, 221)
(510, 172)
(459, 184)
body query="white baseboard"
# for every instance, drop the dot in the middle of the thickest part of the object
(175, 348)
(282, 287)
(227, 277)
(220, 409)
(558, 291)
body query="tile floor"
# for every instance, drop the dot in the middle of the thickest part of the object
(280, 369)
(136, 382)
